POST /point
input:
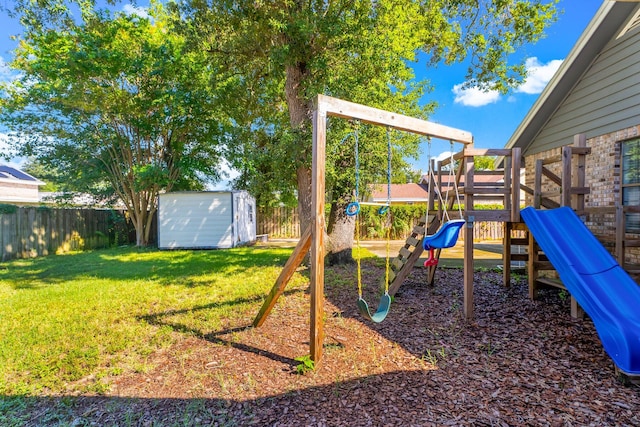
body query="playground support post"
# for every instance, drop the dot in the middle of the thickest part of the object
(317, 233)
(327, 106)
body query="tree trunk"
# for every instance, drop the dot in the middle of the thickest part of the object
(139, 217)
(304, 197)
(138, 225)
(298, 117)
(341, 231)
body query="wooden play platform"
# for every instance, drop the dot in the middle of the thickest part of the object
(571, 189)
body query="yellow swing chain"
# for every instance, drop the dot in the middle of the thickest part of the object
(388, 266)
(388, 234)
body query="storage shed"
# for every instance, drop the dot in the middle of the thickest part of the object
(206, 220)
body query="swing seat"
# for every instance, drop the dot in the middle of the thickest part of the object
(445, 237)
(381, 312)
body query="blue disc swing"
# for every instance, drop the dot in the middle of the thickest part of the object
(353, 209)
(447, 234)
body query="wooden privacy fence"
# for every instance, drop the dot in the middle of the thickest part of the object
(27, 232)
(278, 222)
(284, 222)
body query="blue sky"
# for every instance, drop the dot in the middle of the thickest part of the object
(491, 118)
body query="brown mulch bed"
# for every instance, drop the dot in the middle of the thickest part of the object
(519, 362)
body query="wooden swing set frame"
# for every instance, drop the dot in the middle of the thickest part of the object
(313, 237)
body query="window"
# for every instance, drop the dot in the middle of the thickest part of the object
(631, 182)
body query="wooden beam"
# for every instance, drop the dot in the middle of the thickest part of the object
(552, 176)
(489, 215)
(526, 189)
(487, 152)
(506, 253)
(581, 191)
(566, 177)
(620, 235)
(507, 176)
(532, 272)
(301, 250)
(468, 269)
(468, 167)
(537, 184)
(580, 148)
(349, 110)
(516, 165)
(552, 159)
(316, 336)
(487, 190)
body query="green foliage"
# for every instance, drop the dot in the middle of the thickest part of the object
(8, 209)
(48, 175)
(118, 106)
(305, 365)
(486, 163)
(360, 51)
(244, 74)
(403, 218)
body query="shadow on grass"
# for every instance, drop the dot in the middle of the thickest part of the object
(216, 337)
(167, 267)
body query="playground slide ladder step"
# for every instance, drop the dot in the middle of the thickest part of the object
(409, 254)
(418, 229)
(405, 252)
(413, 241)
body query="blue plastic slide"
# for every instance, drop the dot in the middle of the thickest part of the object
(593, 277)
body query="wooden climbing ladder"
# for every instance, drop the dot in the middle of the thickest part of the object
(410, 253)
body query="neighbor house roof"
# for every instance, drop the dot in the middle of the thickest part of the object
(17, 186)
(400, 193)
(447, 180)
(9, 174)
(608, 20)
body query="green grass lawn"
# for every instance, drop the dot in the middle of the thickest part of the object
(69, 321)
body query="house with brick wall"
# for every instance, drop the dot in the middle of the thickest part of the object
(17, 187)
(594, 98)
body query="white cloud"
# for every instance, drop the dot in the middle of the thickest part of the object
(130, 9)
(6, 73)
(538, 75)
(474, 96)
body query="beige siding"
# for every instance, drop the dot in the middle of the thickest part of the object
(18, 192)
(606, 99)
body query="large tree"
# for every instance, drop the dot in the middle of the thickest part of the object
(359, 50)
(118, 104)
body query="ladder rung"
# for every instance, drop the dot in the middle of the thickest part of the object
(398, 263)
(543, 265)
(405, 252)
(519, 241)
(412, 241)
(418, 229)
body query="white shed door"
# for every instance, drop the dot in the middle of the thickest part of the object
(195, 220)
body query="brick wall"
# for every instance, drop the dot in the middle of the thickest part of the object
(603, 176)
